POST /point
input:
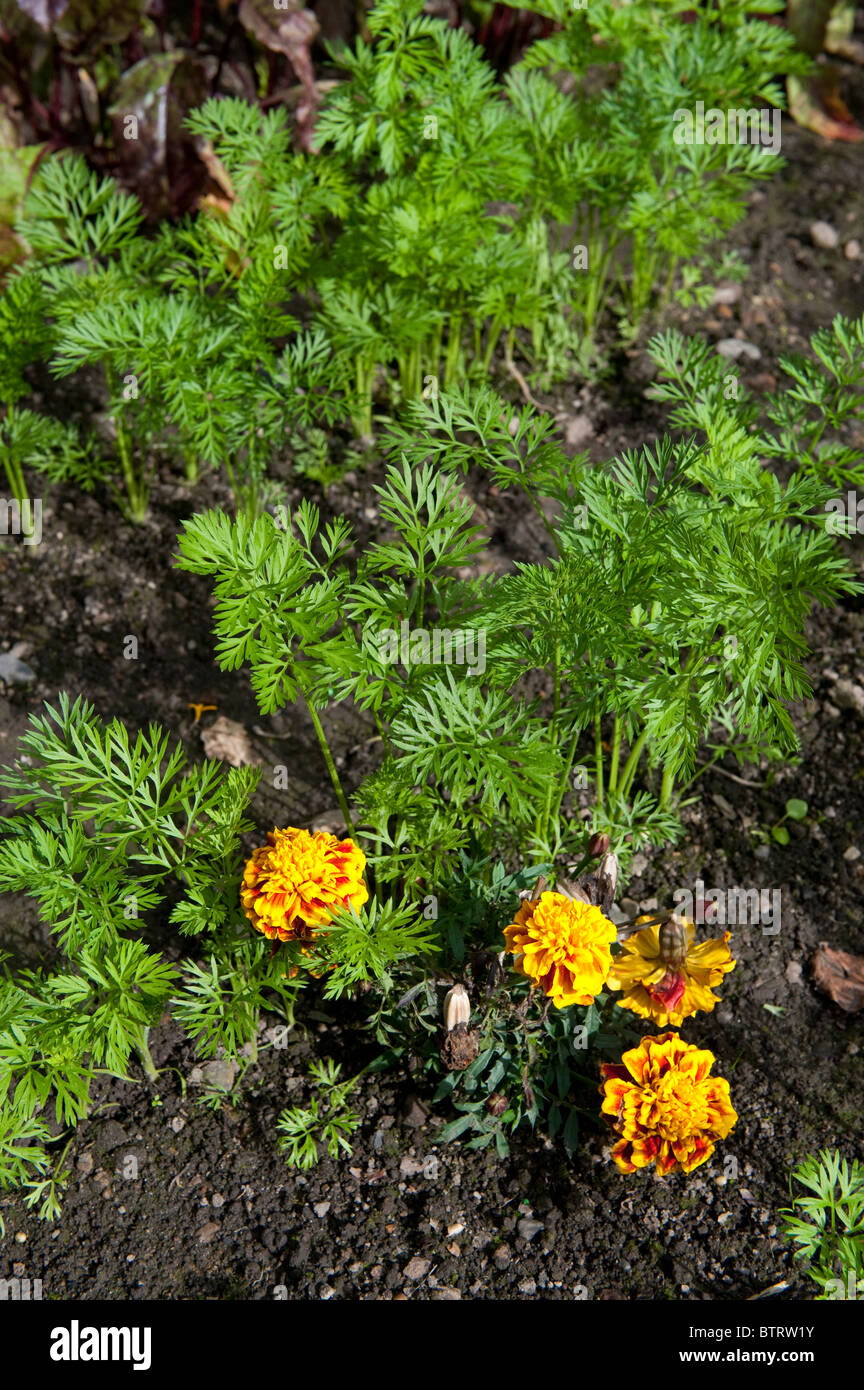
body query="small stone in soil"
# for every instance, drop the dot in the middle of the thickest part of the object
(824, 236)
(727, 294)
(849, 696)
(417, 1268)
(528, 1227)
(321, 1208)
(733, 348)
(13, 671)
(208, 1231)
(220, 1075)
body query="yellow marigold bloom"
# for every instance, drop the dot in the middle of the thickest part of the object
(298, 880)
(665, 1105)
(665, 976)
(563, 946)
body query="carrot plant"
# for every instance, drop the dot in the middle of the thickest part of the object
(447, 221)
(111, 837)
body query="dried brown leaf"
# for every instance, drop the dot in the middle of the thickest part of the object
(839, 975)
(228, 742)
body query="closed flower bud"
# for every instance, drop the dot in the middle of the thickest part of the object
(598, 844)
(496, 1104)
(609, 869)
(457, 1007)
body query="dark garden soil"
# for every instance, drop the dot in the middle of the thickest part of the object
(207, 1209)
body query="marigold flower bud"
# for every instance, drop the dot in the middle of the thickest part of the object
(457, 1007)
(609, 869)
(598, 844)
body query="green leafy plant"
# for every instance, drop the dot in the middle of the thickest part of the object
(650, 204)
(666, 620)
(808, 424)
(115, 838)
(430, 231)
(327, 1120)
(815, 416)
(826, 1223)
(25, 437)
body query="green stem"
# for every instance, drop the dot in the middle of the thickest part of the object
(144, 1056)
(616, 754)
(667, 785)
(331, 766)
(15, 475)
(495, 328)
(362, 417)
(554, 810)
(598, 759)
(630, 766)
(454, 348)
(556, 704)
(135, 489)
(14, 471)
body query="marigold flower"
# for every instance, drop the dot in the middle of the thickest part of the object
(667, 1108)
(665, 976)
(298, 880)
(563, 946)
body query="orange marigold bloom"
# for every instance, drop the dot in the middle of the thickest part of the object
(298, 880)
(665, 976)
(563, 946)
(665, 1105)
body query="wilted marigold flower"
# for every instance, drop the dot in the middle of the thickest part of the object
(665, 976)
(298, 880)
(665, 1105)
(563, 946)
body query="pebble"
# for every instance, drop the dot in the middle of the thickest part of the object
(794, 972)
(446, 1296)
(177, 1123)
(218, 1199)
(847, 695)
(727, 294)
(528, 1286)
(502, 1257)
(734, 348)
(578, 431)
(529, 1227)
(14, 671)
(851, 854)
(85, 1164)
(220, 1075)
(321, 1208)
(852, 250)
(208, 1231)
(822, 234)
(417, 1268)
(762, 851)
